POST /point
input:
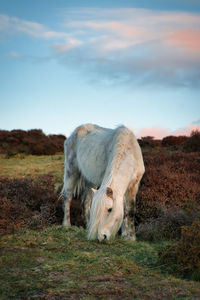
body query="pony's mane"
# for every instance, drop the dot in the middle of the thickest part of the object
(118, 147)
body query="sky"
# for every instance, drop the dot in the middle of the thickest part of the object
(65, 63)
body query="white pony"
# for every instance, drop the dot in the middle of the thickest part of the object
(110, 161)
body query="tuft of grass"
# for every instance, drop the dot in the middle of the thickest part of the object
(59, 263)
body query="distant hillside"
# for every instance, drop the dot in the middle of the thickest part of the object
(33, 142)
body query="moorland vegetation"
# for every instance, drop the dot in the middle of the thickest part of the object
(167, 221)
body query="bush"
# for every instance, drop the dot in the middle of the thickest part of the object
(33, 142)
(167, 226)
(57, 141)
(193, 143)
(33, 203)
(169, 182)
(172, 140)
(184, 256)
(149, 142)
(28, 202)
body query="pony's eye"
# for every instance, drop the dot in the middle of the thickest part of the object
(109, 210)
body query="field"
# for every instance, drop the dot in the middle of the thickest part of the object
(58, 263)
(32, 166)
(42, 260)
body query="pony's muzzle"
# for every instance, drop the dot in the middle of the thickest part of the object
(102, 237)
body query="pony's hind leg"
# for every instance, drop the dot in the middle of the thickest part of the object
(128, 226)
(125, 228)
(67, 199)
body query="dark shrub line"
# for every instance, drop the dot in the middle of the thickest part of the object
(33, 142)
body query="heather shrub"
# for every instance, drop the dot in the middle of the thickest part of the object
(57, 140)
(170, 181)
(172, 140)
(39, 143)
(149, 142)
(193, 143)
(167, 226)
(28, 202)
(33, 142)
(184, 256)
(33, 203)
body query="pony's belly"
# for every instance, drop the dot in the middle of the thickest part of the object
(93, 170)
(92, 163)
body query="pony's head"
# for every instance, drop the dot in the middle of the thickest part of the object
(106, 214)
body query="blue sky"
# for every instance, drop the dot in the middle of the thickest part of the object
(66, 63)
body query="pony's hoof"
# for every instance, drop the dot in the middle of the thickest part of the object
(130, 238)
(133, 238)
(65, 224)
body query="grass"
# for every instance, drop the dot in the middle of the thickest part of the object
(59, 263)
(32, 166)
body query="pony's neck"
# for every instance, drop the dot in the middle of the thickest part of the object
(119, 175)
(120, 166)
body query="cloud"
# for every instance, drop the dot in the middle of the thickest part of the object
(14, 54)
(68, 45)
(196, 122)
(118, 28)
(110, 36)
(14, 25)
(29, 58)
(188, 39)
(159, 132)
(138, 47)
(187, 130)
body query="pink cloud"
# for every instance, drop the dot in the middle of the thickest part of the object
(121, 29)
(112, 35)
(159, 133)
(68, 45)
(188, 39)
(187, 130)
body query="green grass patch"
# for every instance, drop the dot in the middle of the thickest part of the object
(60, 262)
(33, 166)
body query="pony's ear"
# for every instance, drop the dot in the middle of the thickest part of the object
(93, 190)
(109, 192)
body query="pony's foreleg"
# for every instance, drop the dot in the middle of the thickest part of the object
(67, 199)
(87, 204)
(66, 208)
